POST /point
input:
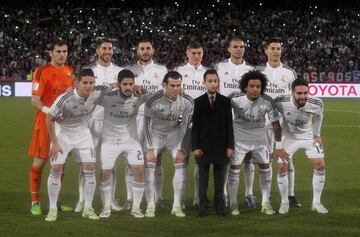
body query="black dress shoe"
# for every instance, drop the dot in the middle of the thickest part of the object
(222, 213)
(202, 213)
(293, 202)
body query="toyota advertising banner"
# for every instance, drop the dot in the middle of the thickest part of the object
(322, 90)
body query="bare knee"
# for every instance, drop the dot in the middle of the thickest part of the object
(138, 172)
(319, 164)
(282, 168)
(106, 175)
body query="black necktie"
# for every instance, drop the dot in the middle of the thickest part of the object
(212, 101)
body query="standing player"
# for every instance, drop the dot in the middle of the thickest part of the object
(49, 81)
(192, 74)
(251, 107)
(119, 136)
(149, 74)
(73, 111)
(280, 78)
(105, 73)
(167, 119)
(301, 123)
(230, 73)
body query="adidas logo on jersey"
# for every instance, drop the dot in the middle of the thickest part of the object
(226, 73)
(288, 113)
(186, 75)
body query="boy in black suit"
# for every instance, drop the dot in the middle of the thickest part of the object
(212, 141)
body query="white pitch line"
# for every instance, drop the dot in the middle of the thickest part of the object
(341, 126)
(342, 111)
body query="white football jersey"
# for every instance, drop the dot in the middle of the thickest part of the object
(279, 80)
(250, 116)
(300, 123)
(149, 76)
(230, 75)
(120, 116)
(165, 115)
(192, 79)
(73, 111)
(105, 75)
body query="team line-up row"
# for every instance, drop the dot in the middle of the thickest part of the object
(241, 128)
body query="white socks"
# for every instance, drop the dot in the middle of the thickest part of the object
(265, 184)
(105, 190)
(249, 174)
(138, 191)
(291, 177)
(150, 184)
(89, 187)
(233, 184)
(159, 181)
(318, 185)
(81, 185)
(282, 181)
(54, 185)
(129, 178)
(179, 183)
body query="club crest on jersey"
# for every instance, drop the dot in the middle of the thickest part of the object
(284, 78)
(36, 86)
(226, 73)
(288, 113)
(75, 107)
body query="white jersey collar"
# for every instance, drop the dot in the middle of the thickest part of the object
(241, 64)
(269, 66)
(193, 67)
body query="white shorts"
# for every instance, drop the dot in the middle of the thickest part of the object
(80, 143)
(259, 151)
(140, 125)
(111, 150)
(270, 139)
(166, 142)
(311, 150)
(96, 124)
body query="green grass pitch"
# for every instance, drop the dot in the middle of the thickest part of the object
(341, 195)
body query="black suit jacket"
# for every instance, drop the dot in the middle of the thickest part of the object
(212, 129)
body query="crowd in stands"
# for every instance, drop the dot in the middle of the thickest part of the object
(314, 38)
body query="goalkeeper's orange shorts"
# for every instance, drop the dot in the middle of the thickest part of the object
(40, 141)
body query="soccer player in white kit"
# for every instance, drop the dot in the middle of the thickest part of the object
(280, 77)
(72, 111)
(192, 76)
(250, 108)
(167, 119)
(301, 124)
(105, 73)
(119, 136)
(149, 75)
(230, 72)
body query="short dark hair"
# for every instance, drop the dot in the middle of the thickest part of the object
(253, 75)
(57, 42)
(173, 75)
(272, 40)
(99, 42)
(235, 38)
(125, 73)
(145, 40)
(299, 82)
(86, 72)
(193, 45)
(210, 71)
